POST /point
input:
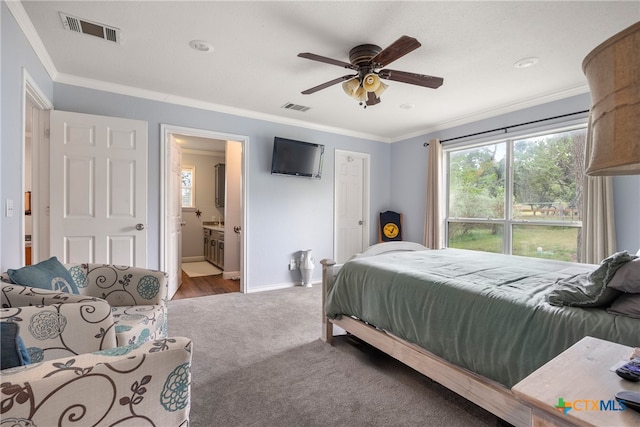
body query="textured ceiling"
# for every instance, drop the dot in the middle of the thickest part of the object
(254, 69)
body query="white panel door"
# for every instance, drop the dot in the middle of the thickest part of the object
(351, 204)
(98, 189)
(175, 217)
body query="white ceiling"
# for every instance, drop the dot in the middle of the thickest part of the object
(254, 69)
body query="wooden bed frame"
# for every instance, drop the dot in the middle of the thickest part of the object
(488, 394)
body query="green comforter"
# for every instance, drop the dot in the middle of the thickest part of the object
(481, 311)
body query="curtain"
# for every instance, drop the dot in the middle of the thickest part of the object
(598, 225)
(433, 233)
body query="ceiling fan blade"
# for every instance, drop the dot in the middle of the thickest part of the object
(326, 60)
(395, 50)
(327, 84)
(411, 78)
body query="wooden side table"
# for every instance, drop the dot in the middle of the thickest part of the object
(580, 378)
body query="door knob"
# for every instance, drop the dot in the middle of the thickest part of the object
(237, 229)
(139, 227)
(360, 222)
(183, 223)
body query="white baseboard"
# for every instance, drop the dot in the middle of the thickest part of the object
(281, 286)
(230, 274)
(193, 259)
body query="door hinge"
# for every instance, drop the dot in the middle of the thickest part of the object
(47, 133)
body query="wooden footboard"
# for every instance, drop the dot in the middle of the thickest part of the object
(328, 272)
(485, 393)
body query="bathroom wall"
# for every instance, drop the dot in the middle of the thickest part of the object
(192, 238)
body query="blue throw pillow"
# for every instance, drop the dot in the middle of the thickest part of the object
(12, 349)
(49, 274)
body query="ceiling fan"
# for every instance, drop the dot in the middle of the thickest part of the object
(365, 86)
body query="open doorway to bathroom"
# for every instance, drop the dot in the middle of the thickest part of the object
(202, 208)
(203, 196)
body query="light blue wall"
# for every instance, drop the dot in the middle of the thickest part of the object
(409, 159)
(16, 54)
(626, 194)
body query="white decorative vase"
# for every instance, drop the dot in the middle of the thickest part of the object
(306, 267)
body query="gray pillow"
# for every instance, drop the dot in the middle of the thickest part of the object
(626, 305)
(627, 278)
(590, 289)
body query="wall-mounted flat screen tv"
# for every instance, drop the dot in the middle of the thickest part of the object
(296, 158)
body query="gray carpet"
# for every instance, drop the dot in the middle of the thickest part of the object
(258, 361)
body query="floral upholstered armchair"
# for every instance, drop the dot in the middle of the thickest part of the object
(137, 296)
(145, 384)
(61, 363)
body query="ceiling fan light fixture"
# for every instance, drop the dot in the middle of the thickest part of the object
(360, 94)
(350, 86)
(371, 82)
(381, 88)
(365, 86)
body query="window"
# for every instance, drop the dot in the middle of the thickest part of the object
(188, 187)
(520, 196)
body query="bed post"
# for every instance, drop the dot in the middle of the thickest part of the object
(327, 283)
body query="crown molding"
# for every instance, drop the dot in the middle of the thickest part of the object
(21, 17)
(210, 106)
(498, 111)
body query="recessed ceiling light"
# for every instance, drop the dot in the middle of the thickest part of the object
(526, 62)
(407, 106)
(201, 45)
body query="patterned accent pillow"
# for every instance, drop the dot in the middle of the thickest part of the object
(49, 274)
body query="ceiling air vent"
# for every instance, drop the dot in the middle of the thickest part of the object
(291, 106)
(82, 26)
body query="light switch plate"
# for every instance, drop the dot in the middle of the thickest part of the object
(9, 209)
